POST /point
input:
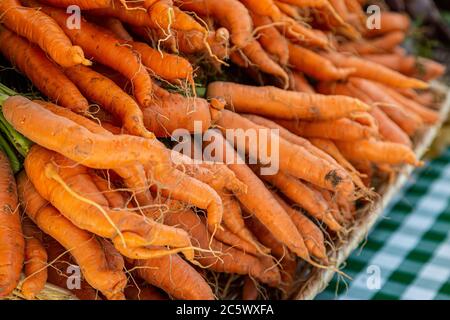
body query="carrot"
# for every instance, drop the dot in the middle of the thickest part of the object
(426, 98)
(258, 200)
(114, 198)
(389, 130)
(286, 261)
(404, 64)
(313, 236)
(135, 15)
(174, 184)
(390, 21)
(229, 238)
(58, 271)
(35, 268)
(299, 83)
(289, 10)
(271, 39)
(167, 66)
(304, 196)
(313, 169)
(108, 51)
(230, 14)
(342, 129)
(266, 237)
(147, 292)
(230, 260)
(408, 121)
(282, 104)
(49, 172)
(379, 152)
(326, 13)
(299, 33)
(83, 4)
(256, 55)
(79, 144)
(193, 42)
(116, 27)
(82, 245)
(316, 66)
(373, 71)
(45, 75)
(11, 238)
(329, 147)
(225, 183)
(383, 44)
(93, 85)
(427, 69)
(250, 289)
(290, 137)
(40, 29)
(427, 115)
(171, 111)
(134, 176)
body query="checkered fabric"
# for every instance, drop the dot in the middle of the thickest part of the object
(407, 255)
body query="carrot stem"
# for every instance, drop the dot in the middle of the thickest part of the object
(16, 165)
(21, 143)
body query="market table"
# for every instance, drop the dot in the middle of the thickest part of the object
(407, 255)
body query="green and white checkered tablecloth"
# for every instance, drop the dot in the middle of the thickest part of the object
(407, 255)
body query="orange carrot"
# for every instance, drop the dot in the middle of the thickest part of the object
(404, 64)
(382, 44)
(82, 245)
(271, 39)
(87, 208)
(45, 75)
(174, 276)
(290, 137)
(299, 83)
(135, 15)
(116, 27)
(282, 104)
(84, 147)
(171, 111)
(35, 268)
(391, 21)
(167, 66)
(373, 71)
(313, 236)
(408, 121)
(40, 29)
(389, 130)
(134, 176)
(94, 85)
(230, 14)
(83, 4)
(257, 201)
(379, 152)
(427, 115)
(146, 292)
(329, 147)
(304, 196)
(11, 238)
(313, 169)
(316, 66)
(58, 271)
(342, 129)
(249, 289)
(230, 260)
(108, 51)
(257, 56)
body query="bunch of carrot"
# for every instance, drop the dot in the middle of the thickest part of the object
(101, 191)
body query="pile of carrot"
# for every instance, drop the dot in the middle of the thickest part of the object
(89, 178)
